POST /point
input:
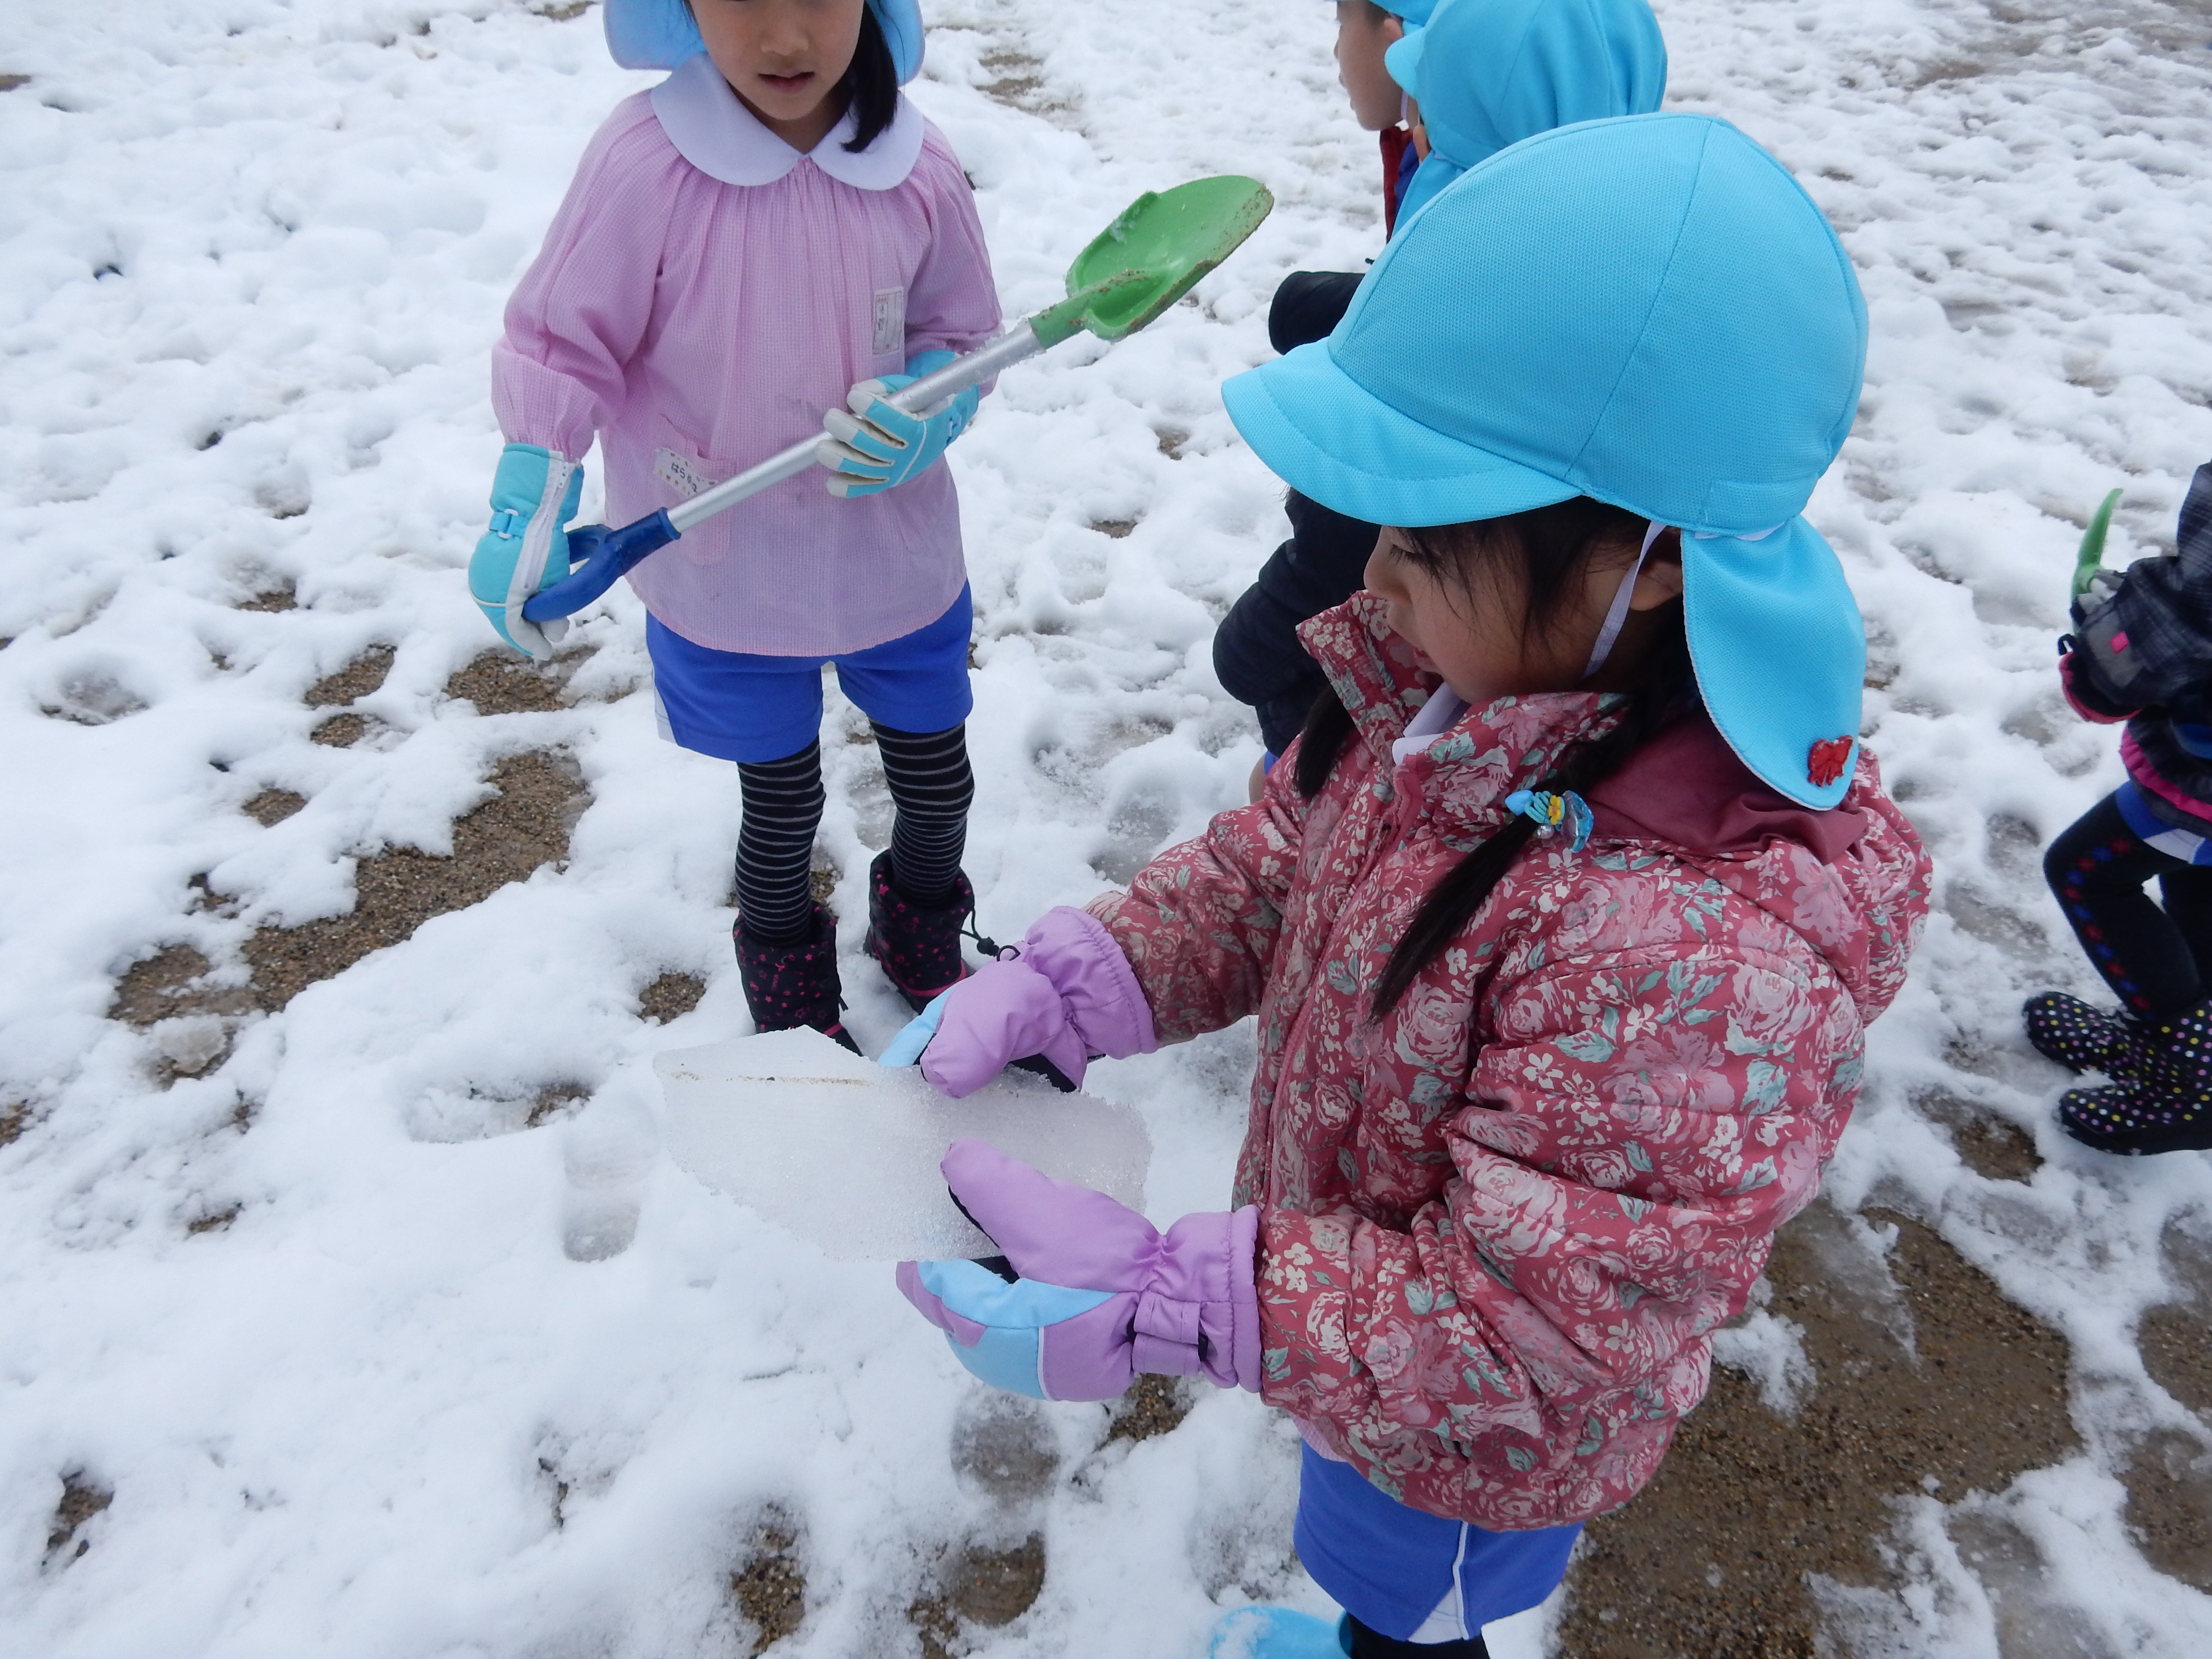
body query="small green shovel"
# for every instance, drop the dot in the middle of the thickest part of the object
(1134, 270)
(2091, 556)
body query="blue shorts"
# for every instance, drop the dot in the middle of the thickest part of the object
(2154, 832)
(738, 707)
(1391, 1566)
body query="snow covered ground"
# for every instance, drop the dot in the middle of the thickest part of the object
(366, 1364)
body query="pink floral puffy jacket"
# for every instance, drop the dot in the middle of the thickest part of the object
(1500, 1226)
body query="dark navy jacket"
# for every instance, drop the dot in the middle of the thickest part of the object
(2142, 652)
(1256, 653)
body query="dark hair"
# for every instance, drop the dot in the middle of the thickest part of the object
(871, 83)
(1551, 546)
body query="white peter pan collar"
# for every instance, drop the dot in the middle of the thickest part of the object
(1437, 716)
(713, 130)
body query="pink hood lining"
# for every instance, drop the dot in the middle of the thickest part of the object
(1687, 789)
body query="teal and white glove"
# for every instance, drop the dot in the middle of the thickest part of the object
(534, 496)
(884, 446)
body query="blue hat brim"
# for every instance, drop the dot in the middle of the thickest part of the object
(1329, 438)
(660, 34)
(1774, 630)
(1403, 60)
(1780, 650)
(902, 33)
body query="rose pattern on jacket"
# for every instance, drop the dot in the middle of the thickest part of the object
(1500, 1226)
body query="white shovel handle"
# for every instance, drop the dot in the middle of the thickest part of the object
(978, 365)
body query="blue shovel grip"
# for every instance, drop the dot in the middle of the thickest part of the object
(598, 558)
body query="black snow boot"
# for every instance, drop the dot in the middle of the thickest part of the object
(788, 986)
(918, 945)
(2082, 1038)
(2166, 1107)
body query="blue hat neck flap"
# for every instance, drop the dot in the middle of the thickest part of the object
(660, 34)
(1489, 73)
(1780, 652)
(1649, 311)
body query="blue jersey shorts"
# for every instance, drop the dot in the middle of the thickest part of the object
(740, 707)
(1393, 1567)
(2154, 832)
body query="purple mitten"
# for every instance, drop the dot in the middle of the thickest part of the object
(1065, 992)
(1103, 1294)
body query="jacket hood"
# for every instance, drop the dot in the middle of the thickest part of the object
(1687, 789)
(1489, 73)
(1838, 877)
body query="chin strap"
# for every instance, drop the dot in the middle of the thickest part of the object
(1617, 615)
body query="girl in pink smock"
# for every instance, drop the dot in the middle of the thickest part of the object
(772, 231)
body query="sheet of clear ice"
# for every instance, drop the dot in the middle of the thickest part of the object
(844, 1153)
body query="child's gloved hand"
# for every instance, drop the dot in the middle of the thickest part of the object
(2103, 588)
(533, 496)
(886, 446)
(1065, 992)
(1103, 1294)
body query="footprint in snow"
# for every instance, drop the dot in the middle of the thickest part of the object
(607, 1156)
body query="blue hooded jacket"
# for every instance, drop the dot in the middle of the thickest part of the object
(1489, 73)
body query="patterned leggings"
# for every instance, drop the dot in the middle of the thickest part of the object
(931, 786)
(2155, 957)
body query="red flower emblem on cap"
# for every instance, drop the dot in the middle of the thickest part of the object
(1827, 760)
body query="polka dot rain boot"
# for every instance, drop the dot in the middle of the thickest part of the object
(917, 946)
(788, 986)
(2167, 1107)
(2082, 1038)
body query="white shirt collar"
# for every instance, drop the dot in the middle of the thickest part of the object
(1437, 716)
(713, 130)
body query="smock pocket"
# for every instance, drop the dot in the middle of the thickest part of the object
(682, 477)
(681, 469)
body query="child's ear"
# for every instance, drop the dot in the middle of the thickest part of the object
(1660, 582)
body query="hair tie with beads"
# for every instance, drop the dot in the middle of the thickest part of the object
(1553, 813)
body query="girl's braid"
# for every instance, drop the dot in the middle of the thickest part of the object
(1454, 901)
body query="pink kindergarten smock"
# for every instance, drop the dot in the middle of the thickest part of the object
(704, 294)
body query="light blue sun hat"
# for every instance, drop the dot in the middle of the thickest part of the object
(660, 34)
(1489, 73)
(1647, 310)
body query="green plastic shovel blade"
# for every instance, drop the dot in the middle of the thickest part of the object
(2092, 553)
(1149, 258)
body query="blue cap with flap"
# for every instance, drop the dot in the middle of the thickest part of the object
(1647, 310)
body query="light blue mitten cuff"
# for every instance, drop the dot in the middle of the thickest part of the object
(534, 493)
(905, 1049)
